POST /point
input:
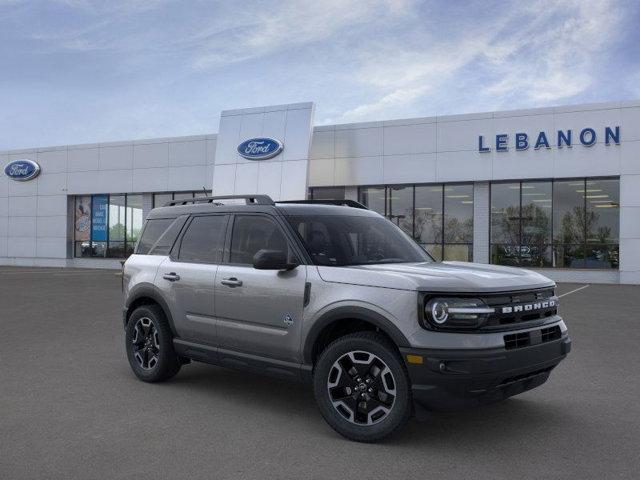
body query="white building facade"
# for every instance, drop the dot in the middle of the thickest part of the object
(553, 189)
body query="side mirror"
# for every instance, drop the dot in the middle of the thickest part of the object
(272, 260)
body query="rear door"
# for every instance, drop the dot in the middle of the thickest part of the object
(259, 311)
(187, 277)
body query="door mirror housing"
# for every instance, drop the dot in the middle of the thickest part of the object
(272, 260)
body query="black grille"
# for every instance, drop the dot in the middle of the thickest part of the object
(525, 306)
(534, 337)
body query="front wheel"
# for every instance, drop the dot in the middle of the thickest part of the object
(362, 387)
(149, 345)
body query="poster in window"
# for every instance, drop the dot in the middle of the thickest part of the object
(83, 219)
(99, 218)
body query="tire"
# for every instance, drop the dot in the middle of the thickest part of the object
(366, 414)
(149, 345)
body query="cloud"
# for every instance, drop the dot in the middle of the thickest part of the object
(540, 53)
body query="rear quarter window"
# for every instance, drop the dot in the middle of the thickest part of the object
(159, 235)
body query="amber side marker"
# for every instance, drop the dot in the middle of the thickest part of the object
(415, 359)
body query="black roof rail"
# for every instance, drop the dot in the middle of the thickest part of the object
(250, 199)
(343, 203)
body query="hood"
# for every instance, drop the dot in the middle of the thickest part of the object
(437, 277)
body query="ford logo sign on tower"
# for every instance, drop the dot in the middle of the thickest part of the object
(22, 170)
(260, 148)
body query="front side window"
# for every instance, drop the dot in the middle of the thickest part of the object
(203, 241)
(252, 233)
(341, 240)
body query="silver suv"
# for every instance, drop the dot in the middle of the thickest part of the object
(331, 293)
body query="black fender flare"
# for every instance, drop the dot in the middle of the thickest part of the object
(148, 291)
(355, 313)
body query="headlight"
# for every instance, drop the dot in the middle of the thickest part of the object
(456, 312)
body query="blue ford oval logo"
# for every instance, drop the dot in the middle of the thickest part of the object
(260, 148)
(22, 170)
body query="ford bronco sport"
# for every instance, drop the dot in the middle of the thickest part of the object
(334, 294)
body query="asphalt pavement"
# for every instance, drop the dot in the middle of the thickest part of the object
(70, 408)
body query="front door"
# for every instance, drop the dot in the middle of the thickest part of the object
(188, 277)
(259, 311)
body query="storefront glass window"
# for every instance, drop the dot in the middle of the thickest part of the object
(428, 218)
(327, 193)
(561, 224)
(134, 221)
(458, 222)
(373, 198)
(107, 225)
(400, 207)
(439, 217)
(161, 199)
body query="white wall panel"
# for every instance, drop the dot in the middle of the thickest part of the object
(359, 171)
(22, 189)
(228, 140)
(406, 168)
(270, 178)
(51, 205)
(83, 159)
(117, 157)
(463, 166)
(115, 181)
(456, 136)
(52, 161)
(630, 157)
(52, 226)
(52, 183)
(84, 182)
(224, 179)
(22, 227)
(358, 142)
(4, 207)
(294, 180)
(630, 124)
(188, 178)
(321, 172)
(51, 247)
(188, 153)
(420, 138)
(247, 178)
(21, 246)
(297, 136)
(22, 206)
(150, 179)
(322, 144)
(151, 155)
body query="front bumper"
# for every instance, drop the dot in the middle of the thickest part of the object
(452, 379)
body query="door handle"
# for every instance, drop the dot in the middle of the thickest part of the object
(231, 282)
(172, 277)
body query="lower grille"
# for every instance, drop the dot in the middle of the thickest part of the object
(534, 337)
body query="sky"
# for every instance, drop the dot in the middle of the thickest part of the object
(80, 71)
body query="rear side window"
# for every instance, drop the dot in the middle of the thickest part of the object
(152, 232)
(203, 241)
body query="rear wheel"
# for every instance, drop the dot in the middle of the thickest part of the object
(362, 387)
(149, 345)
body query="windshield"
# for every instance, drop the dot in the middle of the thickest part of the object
(340, 240)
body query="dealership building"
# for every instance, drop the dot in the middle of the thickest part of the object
(552, 189)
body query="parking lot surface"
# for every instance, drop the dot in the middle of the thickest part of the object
(71, 408)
